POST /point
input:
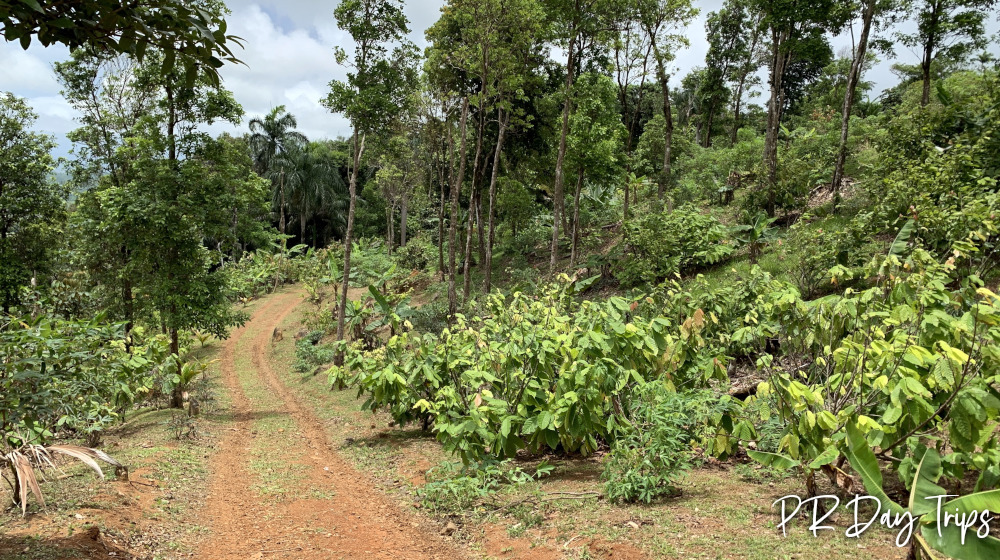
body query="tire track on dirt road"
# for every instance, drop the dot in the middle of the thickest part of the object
(356, 522)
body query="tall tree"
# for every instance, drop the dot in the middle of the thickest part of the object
(576, 26)
(946, 29)
(518, 56)
(31, 204)
(456, 188)
(397, 177)
(594, 146)
(451, 88)
(793, 26)
(733, 45)
(745, 69)
(631, 50)
(433, 135)
(270, 138)
(378, 88)
(170, 163)
(311, 181)
(490, 46)
(663, 22)
(871, 13)
(112, 94)
(146, 220)
(166, 190)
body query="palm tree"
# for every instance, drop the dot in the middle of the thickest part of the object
(270, 137)
(314, 184)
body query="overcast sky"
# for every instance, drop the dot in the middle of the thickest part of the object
(289, 57)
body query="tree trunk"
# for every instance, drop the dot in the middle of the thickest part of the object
(925, 96)
(175, 348)
(480, 230)
(237, 249)
(625, 202)
(852, 83)
(456, 188)
(402, 220)
(488, 263)
(128, 302)
(281, 221)
(302, 228)
(8, 300)
(466, 279)
(177, 396)
(576, 217)
(441, 204)
(631, 121)
(778, 60)
(390, 234)
(736, 110)
(557, 194)
(171, 124)
(668, 139)
(745, 71)
(930, 44)
(473, 205)
(359, 148)
(708, 127)
(668, 125)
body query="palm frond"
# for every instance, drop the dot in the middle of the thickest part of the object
(24, 461)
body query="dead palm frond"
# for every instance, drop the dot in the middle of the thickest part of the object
(24, 461)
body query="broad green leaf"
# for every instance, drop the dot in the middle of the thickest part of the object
(902, 240)
(866, 465)
(828, 456)
(892, 415)
(775, 460)
(925, 483)
(33, 4)
(949, 541)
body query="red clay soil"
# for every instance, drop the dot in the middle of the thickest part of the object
(357, 522)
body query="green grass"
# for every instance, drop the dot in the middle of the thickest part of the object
(778, 258)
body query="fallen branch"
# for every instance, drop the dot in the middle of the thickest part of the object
(552, 497)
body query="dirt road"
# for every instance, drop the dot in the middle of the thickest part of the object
(347, 519)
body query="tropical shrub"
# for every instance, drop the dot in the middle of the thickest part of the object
(454, 487)
(754, 233)
(658, 245)
(310, 353)
(533, 372)
(910, 363)
(658, 444)
(939, 169)
(417, 254)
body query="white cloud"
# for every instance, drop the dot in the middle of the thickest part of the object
(25, 71)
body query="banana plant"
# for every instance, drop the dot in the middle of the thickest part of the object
(357, 316)
(755, 233)
(936, 537)
(394, 310)
(180, 375)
